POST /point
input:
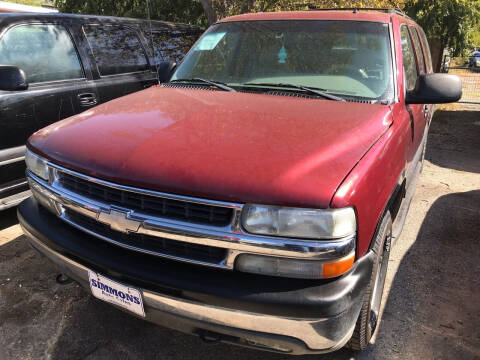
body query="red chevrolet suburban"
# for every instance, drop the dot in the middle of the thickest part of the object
(253, 198)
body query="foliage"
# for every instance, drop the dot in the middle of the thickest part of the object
(223, 8)
(453, 22)
(197, 11)
(30, 2)
(186, 11)
(475, 37)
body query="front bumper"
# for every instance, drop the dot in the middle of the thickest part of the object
(283, 315)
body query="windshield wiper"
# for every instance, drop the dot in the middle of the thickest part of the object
(218, 84)
(316, 91)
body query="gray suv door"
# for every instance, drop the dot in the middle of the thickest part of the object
(49, 57)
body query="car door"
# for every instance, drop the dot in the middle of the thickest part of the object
(46, 52)
(120, 64)
(415, 111)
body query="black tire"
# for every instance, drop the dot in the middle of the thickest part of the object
(368, 318)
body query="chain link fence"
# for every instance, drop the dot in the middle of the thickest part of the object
(469, 72)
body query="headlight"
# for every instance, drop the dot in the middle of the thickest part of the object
(298, 222)
(36, 165)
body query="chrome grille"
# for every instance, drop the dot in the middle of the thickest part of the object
(77, 199)
(148, 204)
(152, 244)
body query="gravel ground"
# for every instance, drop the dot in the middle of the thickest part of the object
(431, 302)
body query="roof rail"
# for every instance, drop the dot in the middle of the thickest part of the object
(357, 9)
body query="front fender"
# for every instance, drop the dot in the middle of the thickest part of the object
(371, 183)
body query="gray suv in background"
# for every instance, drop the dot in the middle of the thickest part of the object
(53, 66)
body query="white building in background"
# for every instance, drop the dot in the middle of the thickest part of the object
(12, 7)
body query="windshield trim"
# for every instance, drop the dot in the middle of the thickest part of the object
(392, 99)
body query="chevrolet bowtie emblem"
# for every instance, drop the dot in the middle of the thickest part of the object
(119, 220)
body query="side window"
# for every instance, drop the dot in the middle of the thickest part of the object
(43, 52)
(116, 50)
(171, 44)
(409, 64)
(418, 50)
(428, 54)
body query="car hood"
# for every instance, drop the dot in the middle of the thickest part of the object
(240, 147)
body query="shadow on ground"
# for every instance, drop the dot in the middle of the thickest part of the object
(457, 132)
(434, 301)
(8, 218)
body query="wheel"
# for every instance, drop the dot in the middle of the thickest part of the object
(368, 318)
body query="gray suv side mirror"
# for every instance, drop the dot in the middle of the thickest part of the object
(435, 89)
(12, 78)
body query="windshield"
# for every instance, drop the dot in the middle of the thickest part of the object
(348, 58)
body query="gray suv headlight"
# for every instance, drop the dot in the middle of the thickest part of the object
(299, 222)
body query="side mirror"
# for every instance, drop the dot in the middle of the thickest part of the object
(435, 89)
(12, 78)
(165, 70)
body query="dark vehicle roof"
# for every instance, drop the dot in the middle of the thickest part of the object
(14, 17)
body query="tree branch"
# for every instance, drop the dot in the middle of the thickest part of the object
(209, 11)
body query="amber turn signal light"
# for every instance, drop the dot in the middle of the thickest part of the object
(338, 267)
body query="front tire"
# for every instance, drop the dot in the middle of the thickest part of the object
(369, 314)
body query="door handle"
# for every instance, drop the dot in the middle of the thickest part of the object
(87, 99)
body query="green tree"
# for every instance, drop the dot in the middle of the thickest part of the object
(475, 37)
(217, 9)
(30, 2)
(451, 22)
(187, 11)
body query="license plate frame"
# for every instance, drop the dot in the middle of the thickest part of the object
(115, 293)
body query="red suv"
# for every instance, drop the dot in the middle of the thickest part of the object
(252, 199)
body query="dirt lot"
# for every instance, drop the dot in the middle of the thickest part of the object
(432, 299)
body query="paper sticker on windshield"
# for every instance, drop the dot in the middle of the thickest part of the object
(209, 41)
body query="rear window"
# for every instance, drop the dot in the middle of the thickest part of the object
(171, 44)
(427, 49)
(418, 50)
(116, 50)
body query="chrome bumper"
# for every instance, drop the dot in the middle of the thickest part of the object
(311, 332)
(232, 238)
